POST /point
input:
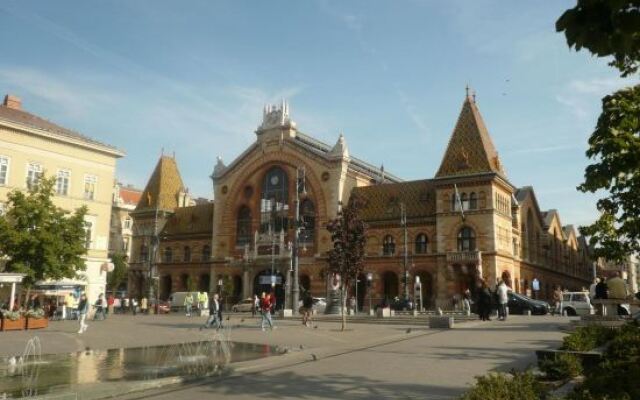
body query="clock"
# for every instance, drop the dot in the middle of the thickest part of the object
(274, 180)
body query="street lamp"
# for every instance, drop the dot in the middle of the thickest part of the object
(403, 223)
(369, 281)
(298, 226)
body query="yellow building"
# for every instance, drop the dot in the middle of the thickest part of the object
(417, 229)
(31, 147)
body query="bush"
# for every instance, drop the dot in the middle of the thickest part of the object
(563, 366)
(587, 338)
(520, 386)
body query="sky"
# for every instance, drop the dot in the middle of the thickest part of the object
(192, 77)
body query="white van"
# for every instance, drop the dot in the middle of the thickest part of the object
(176, 300)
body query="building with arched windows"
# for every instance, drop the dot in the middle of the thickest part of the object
(467, 222)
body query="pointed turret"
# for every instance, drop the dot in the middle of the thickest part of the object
(470, 150)
(340, 149)
(164, 187)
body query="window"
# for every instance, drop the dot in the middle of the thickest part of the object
(243, 228)
(62, 182)
(34, 173)
(88, 227)
(127, 223)
(308, 216)
(168, 254)
(144, 253)
(473, 201)
(186, 255)
(125, 244)
(274, 204)
(206, 252)
(466, 239)
(465, 201)
(90, 183)
(388, 246)
(421, 243)
(4, 170)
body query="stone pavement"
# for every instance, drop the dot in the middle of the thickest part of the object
(369, 361)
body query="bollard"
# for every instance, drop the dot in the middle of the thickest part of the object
(528, 312)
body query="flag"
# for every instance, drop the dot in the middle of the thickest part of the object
(458, 200)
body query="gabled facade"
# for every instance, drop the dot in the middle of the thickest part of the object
(467, 222)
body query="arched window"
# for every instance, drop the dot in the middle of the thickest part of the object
(388, 246)
(473, 201)
(466, 239)
(308, 217)
(421, 243)
(465, 201)
(206, 252)
(168, 254)
(186, 254)
(243, 227)
(274, 204)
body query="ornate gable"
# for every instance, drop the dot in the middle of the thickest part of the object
(470, 150)
(163, 188)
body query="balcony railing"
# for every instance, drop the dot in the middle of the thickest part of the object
(464, 256)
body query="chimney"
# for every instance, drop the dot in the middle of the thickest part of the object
(11, 101)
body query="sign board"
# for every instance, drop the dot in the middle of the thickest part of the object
(270, 279)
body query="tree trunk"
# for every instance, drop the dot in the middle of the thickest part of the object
(26, 300)
(343, 305)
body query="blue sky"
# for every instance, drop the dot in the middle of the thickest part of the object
(193, 76)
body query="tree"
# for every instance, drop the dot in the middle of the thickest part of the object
(346, 258)
(39, 239)
(605, 28)
(119, 273)
(612, 28)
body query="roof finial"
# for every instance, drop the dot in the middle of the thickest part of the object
(466, 90)
(474, 96)
(162, 151)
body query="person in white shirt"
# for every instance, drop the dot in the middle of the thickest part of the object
(592, 289)
(503, 299)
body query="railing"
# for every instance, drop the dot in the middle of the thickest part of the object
(464, 256)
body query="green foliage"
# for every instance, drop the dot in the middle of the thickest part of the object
(39, 239)
(346, 258)
(605, 28)
(520, 386)
(119, 274)
(615, 146)
(562, 366)
(11, 315)
(618, 375)
(587, 338)
(35, 314)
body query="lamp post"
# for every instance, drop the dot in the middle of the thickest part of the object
(298, 226)
(369, 281)
(403, 223)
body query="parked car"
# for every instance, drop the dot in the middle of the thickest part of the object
(519, 304)
(576, 303)
(164, 307)
(245, 305)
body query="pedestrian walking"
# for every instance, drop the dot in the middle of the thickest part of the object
(144, 305)
(503, 299)
(134, 306)
(215, 315)
(100, 306)
(307, 309)
(256, 305)
(484, 300)
(83, 309)
(466, 302)
(557, 301)
(266, 305)
(188, 304)
(126, 305)
(110, 302)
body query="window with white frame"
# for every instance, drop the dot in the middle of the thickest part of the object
(34, 173)
(4, 170)
(62, 182)
(88, 234)
(90, 183)
(127, 223)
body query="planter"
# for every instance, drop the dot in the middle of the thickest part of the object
(37, 323)
(9, 325)
(589, 359)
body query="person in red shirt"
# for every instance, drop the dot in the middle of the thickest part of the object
(266, 304)
(110, 302)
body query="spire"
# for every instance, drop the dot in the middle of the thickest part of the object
(340, 149)
(470, 150)
(163, 188)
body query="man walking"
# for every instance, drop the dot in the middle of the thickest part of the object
(83, 309)
(214, 314)
(503, 299)
(99, 309)
(188, 304)
(265, 309)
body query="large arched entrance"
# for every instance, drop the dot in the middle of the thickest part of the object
(237, 289)
(263, 283)
(203, 283)
(389, 285)
(464, 277)
(165, 287)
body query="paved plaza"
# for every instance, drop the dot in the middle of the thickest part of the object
(367, 361)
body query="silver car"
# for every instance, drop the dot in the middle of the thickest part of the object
(576, 303)
(245, 305)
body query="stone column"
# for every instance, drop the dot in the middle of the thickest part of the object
(246, 284)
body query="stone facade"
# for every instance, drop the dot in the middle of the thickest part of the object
(467, 222)
(125, 200)
(31, 146)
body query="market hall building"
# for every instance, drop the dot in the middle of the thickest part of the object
(491, 228)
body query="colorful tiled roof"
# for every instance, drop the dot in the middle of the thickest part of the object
(33, 121)
(163, 188)
(129, 195)
(470, 150)
(196, 219)
(382, 202)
